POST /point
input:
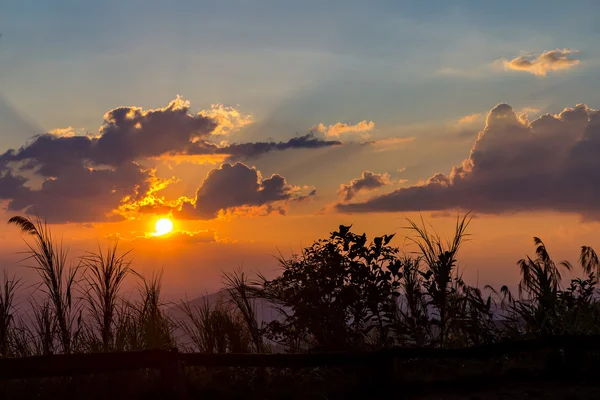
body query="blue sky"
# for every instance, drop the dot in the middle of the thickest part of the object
(65, 63)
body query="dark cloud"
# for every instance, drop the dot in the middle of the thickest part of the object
(368, 181)
(552, 163)
(82, 194)
(233, 186)
(130, 133)
(241, 151)
(86, 178)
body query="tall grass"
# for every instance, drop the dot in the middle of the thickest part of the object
(215, 328)
(58, 280)
(143, 324)
(239, 291)
(7, 314)
(105, 274)
(440, 259)
(343, 292)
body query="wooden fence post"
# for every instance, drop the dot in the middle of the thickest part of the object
(173, 377)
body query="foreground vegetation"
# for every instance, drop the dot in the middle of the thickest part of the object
(341, 293)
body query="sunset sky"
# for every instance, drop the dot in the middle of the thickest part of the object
(258, 127)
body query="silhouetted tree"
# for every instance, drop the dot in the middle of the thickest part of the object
(336, 292)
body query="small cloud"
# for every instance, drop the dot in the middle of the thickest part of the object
(525, 112)
(229, 119)
(340, 128)
(200, 159)
(185, 237)
(389, 144)
(469, 119)
(367, 182)
(175, 237)
(551, 60)
(67, 132)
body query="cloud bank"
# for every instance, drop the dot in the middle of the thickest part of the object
(550, 60)
(551, 163)
(69, 177)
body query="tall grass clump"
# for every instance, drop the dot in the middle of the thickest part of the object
(58, 280)
(143, 323)
(240, 294)
(215, 328)
(440, 261)
(7, 315)
(105, 273)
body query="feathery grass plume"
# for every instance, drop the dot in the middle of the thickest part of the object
(104, 275)
(58, 280)
(543, 308)
(589, 261)
(540, 277)
(440, 262)
(240, 294)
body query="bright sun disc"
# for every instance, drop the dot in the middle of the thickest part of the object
(163, 226)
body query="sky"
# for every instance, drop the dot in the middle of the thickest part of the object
(259, 127)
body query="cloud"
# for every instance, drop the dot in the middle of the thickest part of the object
(252, 150)
(184, 237)
(469, 119)
(550, 60)
(551, 164)
(228, 119)
(66, 132)
(237, 186)
(80, 194)
(381, 145)
(367, 182)
(69, 177)
(340, 128)
(173, 238)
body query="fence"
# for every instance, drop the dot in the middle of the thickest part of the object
(171, 363)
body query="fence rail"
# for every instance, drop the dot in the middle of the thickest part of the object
(172, 362)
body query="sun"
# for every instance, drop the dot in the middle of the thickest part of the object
(163, 226)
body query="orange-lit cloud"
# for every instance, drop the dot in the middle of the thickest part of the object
(175, 237)
(367, 182)
(236, 186)
(549, 164)
(228, 119)
(340, 128)
(469, 119)
(200, 159)
(70, 177)
(67, 132)
(479, 118)
(551, 60)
